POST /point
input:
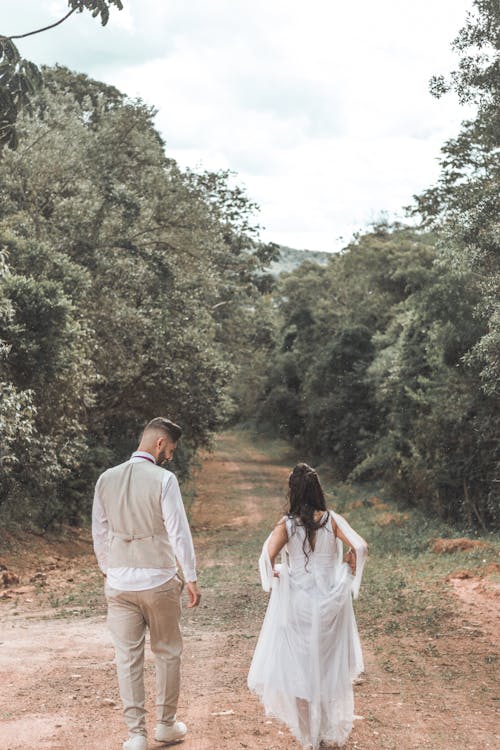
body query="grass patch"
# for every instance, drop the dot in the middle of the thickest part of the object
(84, 598)
(404, 587)
(404, 582)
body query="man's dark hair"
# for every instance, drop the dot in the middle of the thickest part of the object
(162, 424)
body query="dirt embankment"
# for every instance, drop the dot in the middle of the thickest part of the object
(57, 678)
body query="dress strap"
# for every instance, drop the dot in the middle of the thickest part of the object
(332, 523)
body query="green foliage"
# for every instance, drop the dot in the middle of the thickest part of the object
(115, 267)
(20, 78)
(437, 446)
(386, 362)
(318, 391)
(465, 203)
(374, 373)
(131, 288)
(98, 8)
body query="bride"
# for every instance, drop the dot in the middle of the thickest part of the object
(308, 652)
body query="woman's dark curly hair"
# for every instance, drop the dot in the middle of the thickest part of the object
(305, 496)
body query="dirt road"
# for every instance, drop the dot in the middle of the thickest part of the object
(57, 677)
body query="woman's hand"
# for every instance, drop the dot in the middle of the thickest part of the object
(350, 559)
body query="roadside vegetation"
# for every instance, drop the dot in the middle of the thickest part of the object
(385, 363)
(131, 288)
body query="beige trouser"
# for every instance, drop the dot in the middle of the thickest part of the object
(129, 613)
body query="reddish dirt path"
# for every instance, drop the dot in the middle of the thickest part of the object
(57, 678)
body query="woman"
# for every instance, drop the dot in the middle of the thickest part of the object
(308, 652)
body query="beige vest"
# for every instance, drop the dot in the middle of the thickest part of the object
(131, 497)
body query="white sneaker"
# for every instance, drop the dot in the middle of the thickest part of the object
(136, 742)
(170, 734)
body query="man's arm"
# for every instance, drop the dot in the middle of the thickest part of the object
(177, 526)
(100, 531)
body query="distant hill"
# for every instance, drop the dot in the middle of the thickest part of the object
(291, 258)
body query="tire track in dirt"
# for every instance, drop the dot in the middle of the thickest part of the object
(239, 492)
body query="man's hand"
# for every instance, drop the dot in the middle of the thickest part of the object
(194, 594)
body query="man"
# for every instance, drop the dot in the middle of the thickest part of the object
(139, 527)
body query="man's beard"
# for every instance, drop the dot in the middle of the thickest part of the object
(161, 458)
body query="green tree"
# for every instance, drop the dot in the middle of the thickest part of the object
(20, 78)
(463, 207)
(386, 361)
(465, 203)
(118, 261)
(318, 390)
(434, 445)
(46, 347)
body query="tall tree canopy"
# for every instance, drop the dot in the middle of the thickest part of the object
(121, 276)
(465, 202)
(387, 362)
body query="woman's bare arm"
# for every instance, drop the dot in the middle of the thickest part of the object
(277, 541)
(350, 555)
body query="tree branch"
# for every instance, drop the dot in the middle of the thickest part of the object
(38, 31)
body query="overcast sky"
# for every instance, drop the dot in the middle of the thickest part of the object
(321, 107)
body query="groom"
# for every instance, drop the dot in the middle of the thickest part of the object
(139, 528)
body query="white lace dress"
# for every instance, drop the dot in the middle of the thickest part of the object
(309, 652)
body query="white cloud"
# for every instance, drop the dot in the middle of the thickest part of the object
(322, 108)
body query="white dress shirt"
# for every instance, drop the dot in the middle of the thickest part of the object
(176, 525)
